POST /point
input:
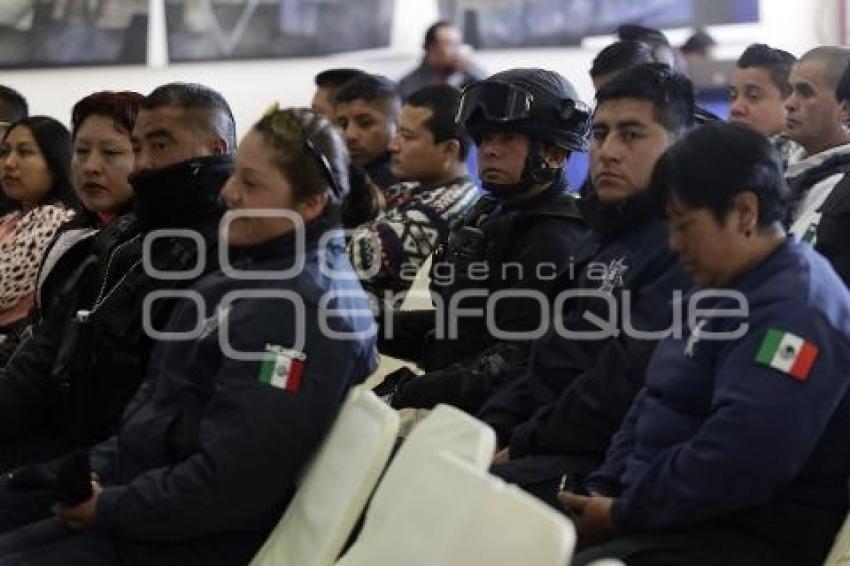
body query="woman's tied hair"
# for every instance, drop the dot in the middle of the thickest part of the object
(309, 152)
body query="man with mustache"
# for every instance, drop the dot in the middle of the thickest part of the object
(508, 257)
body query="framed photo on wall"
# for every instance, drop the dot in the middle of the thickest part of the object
(52, 33)
(505, 24)
(204, 30)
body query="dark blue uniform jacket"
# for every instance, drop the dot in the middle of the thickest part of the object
(207, 446)
(717, 435)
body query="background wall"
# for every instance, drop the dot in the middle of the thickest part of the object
(250, 86)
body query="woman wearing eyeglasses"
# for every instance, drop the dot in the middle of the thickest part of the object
(35, 157)
(237, 398)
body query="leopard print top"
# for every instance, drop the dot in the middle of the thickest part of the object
(21, 252)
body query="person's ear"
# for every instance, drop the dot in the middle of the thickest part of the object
(555, 157)
(219, 146)
(312, 206)
(844, 112)
(451, 149)
(746, 208)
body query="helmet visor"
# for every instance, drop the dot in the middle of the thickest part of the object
(497, 101)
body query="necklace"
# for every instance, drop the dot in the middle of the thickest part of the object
(83, 315)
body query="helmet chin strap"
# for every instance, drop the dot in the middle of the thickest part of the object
(535, 172)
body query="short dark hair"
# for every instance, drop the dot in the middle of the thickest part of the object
(13, 103)
(834, 58)
(714, 163)
(662, 50)
(443, 101)
(619, 56)
(635, 32)
(335, 78)
(54, 143)
(211, 109)
(122, 107)
(671, 93)
(374, 89)
(699, 42)
(776, 62)
(431, 33)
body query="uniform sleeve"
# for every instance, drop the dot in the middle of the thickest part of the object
(545, 253)
(763, 426)
(509, 406)
(589, 410)
(252, 442)
(606, 479)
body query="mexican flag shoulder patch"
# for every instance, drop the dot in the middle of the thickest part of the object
(282, 368)
(787, 353)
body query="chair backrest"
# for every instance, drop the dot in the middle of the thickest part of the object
(455, 514)
(513, 527)
(840, 553)
(445, 429)
(335, 486)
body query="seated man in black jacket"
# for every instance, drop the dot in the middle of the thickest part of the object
(209, 451)
(66, 387)
(560, 416)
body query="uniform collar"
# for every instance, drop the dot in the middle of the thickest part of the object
(283, 246)
(611, 221)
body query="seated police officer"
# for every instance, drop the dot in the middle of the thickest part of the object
(735, 452)
(495, 276)
(237, 400)
(560, 416)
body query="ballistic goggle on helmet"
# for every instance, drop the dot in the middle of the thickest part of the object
(496, 104)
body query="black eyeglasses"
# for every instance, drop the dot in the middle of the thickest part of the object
(294, 135)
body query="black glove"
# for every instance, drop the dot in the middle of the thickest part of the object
(73, 482)
(393, 382)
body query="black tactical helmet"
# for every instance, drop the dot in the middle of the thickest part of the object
(537, 102)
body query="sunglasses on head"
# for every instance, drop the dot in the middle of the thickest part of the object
(281, 126)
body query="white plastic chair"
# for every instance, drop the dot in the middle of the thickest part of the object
(336, 485)
(840, 553)
(454, 514)
(445, 429)
(512, 527)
